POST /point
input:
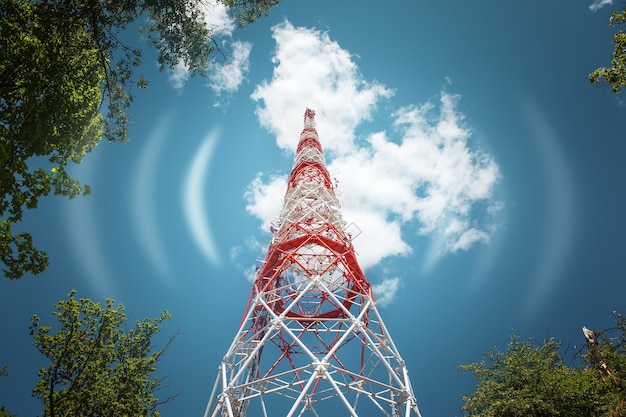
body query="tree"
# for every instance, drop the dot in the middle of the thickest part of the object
(3, 412)
(616, 74)
(531, 380)
(606, 354)
(97, 366)
(61, 61)
(527, 380)
(248, 11)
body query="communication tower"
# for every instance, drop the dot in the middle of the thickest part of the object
(311, 341)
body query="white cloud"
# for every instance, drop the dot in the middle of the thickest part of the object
(385, 291)
(430, 175)
(421, 170)
(598, 4)
(380, 237)
(227, 71)
(314, 71)
(178, 76)
(227, 76)
(460, 236)
(245, 257)
(264, 199)
(217, 19)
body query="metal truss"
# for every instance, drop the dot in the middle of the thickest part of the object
(312, 342)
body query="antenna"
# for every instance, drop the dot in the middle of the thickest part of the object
(311, 341)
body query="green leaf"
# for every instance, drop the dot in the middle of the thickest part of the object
(97, 365)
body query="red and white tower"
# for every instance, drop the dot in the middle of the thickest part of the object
(311, 342)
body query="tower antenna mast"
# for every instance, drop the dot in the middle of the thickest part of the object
(311, 341)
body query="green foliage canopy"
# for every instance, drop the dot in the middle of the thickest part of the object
(607, 356)
(531, 380)
(527, 380)
(97, 366)
(615, 75)
(61, 61)
(3, 412)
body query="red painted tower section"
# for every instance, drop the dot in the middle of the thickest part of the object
(311, 342)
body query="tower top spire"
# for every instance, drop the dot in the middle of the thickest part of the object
(309, 118)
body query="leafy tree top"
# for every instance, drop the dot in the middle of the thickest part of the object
(61, 62)
(615, 75)
(98, 366)
(530, 379)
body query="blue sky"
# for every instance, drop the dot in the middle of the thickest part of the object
(483, 170)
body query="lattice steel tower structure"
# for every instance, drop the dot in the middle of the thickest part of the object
(311, 342)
